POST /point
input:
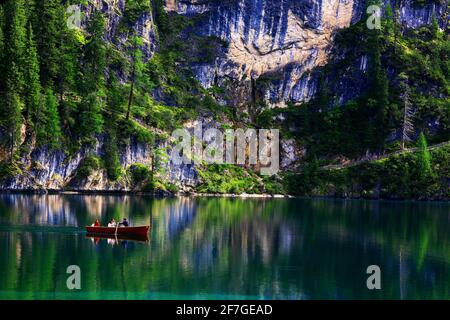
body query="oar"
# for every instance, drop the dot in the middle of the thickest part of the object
(117, 226)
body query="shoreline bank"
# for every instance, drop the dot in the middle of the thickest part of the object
(209, 195)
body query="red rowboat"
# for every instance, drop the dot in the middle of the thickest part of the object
(128, 231)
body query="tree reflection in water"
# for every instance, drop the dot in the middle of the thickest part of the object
(224, 248)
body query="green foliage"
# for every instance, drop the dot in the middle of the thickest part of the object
(161, 185)
(8, 170)
(2, 42)
(140, 172)
(378, 91)
(32, 83)
(304, 181)
(47, 23)
(52, 129)
(111, 157)
(70, 87)
(223, 178)
(142, 177)
(93, 86)
(133, 10)
(424, 158)
(328, 129)
(90, 117)
(90, 164)
(11, 119)
(420, 175)
(274, 185)
(130, 128)
(138, 81)
(13, 66)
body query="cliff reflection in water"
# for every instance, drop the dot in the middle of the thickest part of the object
(224, 248)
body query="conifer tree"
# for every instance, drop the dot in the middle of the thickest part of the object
(2, 48)
(435, 29)
(14, 47)
(14, 43)
(65, 79)
(11, 119)
(47, 33)
(52, 123)
(136, 71)
(389, 20)
(379, 88)
(93, 87)
(424, 159)
(65, 86)
(32, 85)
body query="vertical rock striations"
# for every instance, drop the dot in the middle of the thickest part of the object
(288, 38)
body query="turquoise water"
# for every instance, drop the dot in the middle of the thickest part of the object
(219, 248)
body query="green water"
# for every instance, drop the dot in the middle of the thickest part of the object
(216, 248)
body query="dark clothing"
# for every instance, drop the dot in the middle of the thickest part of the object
(124, 223)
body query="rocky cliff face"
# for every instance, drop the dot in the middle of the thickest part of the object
(44, 169)
(285, 38)
(278, 41)
(114, 13)
(414, 16)
(289, 36)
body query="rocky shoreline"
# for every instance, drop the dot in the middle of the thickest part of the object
(142, 193)
(161, 194)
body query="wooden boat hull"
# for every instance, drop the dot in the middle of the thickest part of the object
(97, 237)
(141, 231)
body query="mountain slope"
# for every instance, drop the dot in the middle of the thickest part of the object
(136, 70)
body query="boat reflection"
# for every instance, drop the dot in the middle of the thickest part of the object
(114, 240)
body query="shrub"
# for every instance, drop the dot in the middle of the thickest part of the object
(224, 178)
(140, 173)
(88, 166)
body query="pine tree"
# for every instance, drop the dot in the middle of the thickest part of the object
(14, 43)
(12, 119)
(30, 10)
(397, 25)
(2, 49)
(32, 88)
(435, 29)
(389, 20)
(136, 72)
(14, 47)
(90, 117)
(379, 89)
(111, 157)
(65, 79)
(93, 87)
(65, 83)
(47, 33)
(424, 158)
(52, 123)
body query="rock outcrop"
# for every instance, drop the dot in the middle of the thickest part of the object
(286, 37)
(114, 12)
(278, 41)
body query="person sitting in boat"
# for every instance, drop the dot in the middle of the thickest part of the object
(96, 223)
(112, 223)
(124, 222)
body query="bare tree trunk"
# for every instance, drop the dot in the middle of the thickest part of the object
(12, 147)
(130, 98)
(133, 80)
